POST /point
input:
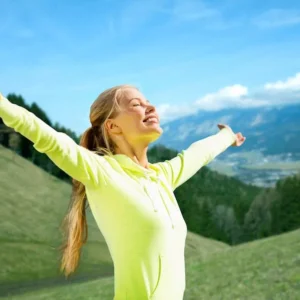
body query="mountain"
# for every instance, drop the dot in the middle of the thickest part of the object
(271, 130)
(272, 137)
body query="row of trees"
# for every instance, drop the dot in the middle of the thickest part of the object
(212, 204)
(24, 147)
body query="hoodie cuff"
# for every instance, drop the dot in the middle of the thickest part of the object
(228, 136)
(9, 112)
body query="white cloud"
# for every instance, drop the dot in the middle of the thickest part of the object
(216, 100)
(237, 96)
(277, 18)
(168, 112)
(292, 83)
(258, 119)
(282, 92)
(230, 96)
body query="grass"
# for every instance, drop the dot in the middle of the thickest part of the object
(264, 269)
(33, 204)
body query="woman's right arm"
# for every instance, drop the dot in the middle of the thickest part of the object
(75, 160)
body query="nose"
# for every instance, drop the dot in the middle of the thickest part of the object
(150, 108)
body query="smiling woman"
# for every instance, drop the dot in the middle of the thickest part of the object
(132, 200)
(134, 127)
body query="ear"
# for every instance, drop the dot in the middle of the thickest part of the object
(112, 127)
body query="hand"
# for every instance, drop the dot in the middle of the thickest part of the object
(240, 139)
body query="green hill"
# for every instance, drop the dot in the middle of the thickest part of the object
(33, 204)
(265, 269)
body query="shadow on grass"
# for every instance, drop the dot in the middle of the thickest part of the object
(9, 289)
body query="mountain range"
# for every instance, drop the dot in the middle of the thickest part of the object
(272, 137)
(270, 130)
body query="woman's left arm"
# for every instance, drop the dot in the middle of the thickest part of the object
(179, 169)
(239, 138)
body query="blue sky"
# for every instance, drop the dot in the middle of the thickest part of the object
(183, 55)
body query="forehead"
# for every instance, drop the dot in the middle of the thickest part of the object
(130, 93)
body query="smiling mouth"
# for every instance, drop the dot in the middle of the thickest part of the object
(151, 120)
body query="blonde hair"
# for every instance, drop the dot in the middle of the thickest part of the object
(97, 140)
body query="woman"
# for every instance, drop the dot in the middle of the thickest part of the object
(131, 199)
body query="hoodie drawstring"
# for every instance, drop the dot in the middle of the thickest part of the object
(130, 167)
(161, 196)
(151, 197)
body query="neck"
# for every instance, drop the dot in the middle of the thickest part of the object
(137, 154)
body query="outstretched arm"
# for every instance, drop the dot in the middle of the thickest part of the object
(179, 169)
(77, 161)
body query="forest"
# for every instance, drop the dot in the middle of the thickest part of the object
(213, 205)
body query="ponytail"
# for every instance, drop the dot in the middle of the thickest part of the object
(74, 224)
(95, 139)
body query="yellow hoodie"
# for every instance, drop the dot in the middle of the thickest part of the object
(134, 207)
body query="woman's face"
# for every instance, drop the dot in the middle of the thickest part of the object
(132, 121)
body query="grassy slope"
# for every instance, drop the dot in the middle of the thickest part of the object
(33, 204)
(264, 269)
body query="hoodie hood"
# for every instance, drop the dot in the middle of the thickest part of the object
(127, 163)
(152, 180)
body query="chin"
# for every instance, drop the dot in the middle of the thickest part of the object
(156, 135)
(151, 134)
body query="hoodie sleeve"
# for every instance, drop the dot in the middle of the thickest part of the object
(182, 167)
(75, 160)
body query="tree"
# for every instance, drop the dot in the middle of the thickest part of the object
(286, 212)
(258, 220)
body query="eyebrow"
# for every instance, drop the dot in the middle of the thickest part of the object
(138, 99)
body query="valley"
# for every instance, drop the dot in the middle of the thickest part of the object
(256, 168)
